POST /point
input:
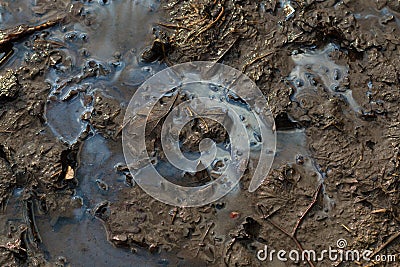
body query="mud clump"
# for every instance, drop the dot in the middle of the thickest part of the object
(107, 115)
(9, 86)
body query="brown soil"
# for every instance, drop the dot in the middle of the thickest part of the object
(344, 185)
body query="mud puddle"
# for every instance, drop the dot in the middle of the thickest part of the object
(100, 59)
(76, 238)
(16, 12)
(382, 18)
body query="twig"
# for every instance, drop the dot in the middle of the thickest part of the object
(294, 240)
(347, 228)
(55, 43)
(197, 21)
(315, 198)
(379, 211)
(292, 235)
(212, 23)
(174, 215)
(6, 131)
(7, 55)
(56, 173)
(206, 233)
(384, 245)
(256, 59)
(185, 17)
(172, 26)
(204, 237)
(11, 35)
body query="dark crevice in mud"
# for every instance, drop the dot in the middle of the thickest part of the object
(6, 52)
(355, 55)
(5, 154)
(283, 122)
(101, 209)
(252, 228)
(30, 220)
(158, 50)
(68, 161)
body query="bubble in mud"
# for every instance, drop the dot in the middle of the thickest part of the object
(335, 87)
(299, 82)
(336, 74)
(213, 87)
(225, 162)
(257, 136)
(103, 2)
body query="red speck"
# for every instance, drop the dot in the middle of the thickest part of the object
(234, 214)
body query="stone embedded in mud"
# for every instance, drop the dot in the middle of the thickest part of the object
(156, 51)
(9, 85)
(288, 10)
(70, 173)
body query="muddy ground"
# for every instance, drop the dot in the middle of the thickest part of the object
(330, 71)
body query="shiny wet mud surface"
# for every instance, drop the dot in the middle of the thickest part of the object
(330, 72)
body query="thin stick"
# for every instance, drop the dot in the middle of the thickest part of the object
(293, 238)
(212, 23)
(256, 59)
(174, 215)
(172, 26)
(11, 35)
(56, 173)
(292, 235)
(6, 56)
(204, 237)
(387, 243)
(197, 21)
(300, 220)
(58, 44)
(6, 131)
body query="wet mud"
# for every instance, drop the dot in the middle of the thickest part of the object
(330, 71)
